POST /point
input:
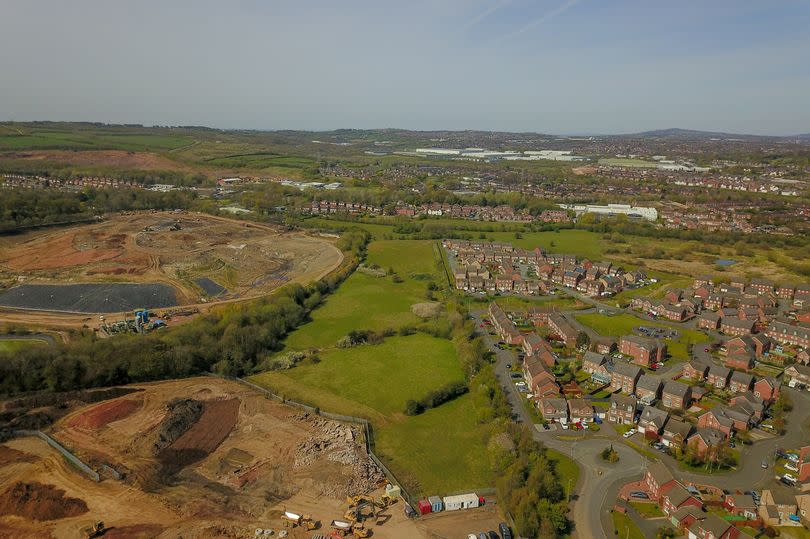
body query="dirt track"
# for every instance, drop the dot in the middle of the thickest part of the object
(177, 249)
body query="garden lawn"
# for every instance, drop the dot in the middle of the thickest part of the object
(623, 324)
(439, 452)
(625, 527)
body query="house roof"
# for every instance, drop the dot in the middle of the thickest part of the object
(593, 357)
(742, 501)
(677, 427)
(653, 415)
(625, 369)
(677, 495)
(623, 401)
(678, 389)
(741, 377)
(659, 473)
(709, 436)
(718, 370)
(648, 383)
(711, 523)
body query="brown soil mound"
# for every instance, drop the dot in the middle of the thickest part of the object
(113, 158)
(99, 416)
(39, 502)
(9, 455)
(218, 419)
(181, 416)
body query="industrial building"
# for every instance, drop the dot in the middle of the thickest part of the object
(650, 214)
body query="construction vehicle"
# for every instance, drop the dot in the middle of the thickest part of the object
(387, 500)
(294, 519)
(94, 530)
(357, 500)
(341, 528)
(358, 530)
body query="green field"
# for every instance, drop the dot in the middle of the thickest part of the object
(623, 324)
(439, 452)
(627, 162)
(368, 302)
(14, 345)
(371, 380)
(375, 381)
(261, 161)
(47, 139)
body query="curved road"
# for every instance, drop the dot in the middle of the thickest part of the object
(594, 490)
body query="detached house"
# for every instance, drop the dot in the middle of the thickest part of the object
(657, 478)
(676, 395)
(622, 409)
(703, 439)
(676, 432)
(554, 409)
(648, 389)
(624, 378)
(652, 421)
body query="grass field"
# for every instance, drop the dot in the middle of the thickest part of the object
(441, 451)
(45, 139)
(368, 302)
(14, 345)
(627, 162)
(375, 381)
(379, 377)
(567, 470)
(623, 324)
(260, 161)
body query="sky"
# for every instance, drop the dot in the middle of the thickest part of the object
(548, 66)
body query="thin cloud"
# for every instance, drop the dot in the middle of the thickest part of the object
(486, 13)
(568, 4)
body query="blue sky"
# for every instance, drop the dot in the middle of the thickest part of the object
(556, 66)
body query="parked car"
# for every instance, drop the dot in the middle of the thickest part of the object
(508, 365)
(764, 464)
(792, 467)
(482, 535)
(629, 433)
(506, 533)
(492, 535)
(546, 427)
(517, 375)
(640, 495)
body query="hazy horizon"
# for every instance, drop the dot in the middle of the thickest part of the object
(563, 67)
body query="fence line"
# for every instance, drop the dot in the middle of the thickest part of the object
(73, 459)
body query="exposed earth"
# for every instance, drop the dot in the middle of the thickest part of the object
(177, 258)
(201, 457)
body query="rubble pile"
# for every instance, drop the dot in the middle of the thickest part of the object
(337, 442)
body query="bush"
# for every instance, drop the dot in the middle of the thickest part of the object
(436, 398)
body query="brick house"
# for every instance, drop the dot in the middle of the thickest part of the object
(657, 478)
(676, 395)
(676, 497)
(624, 378)
(604, 345)
(709, 320)
(797, 375)
(762, 286)
(592, 362)
(652, 421)
(742, 505)
(644, 351)
(703, 439)
(695, 370)
(740, 382)
(732, 325)
(757, 345)
(648, 388)
(676, 432)
(712, 527)
(767, 389)
(554, 409)
(622, 409)
(718, 376)
(781, 332)
(580, 410)
(563, 329)
(740, 360)
(804, 464)
(786, 291)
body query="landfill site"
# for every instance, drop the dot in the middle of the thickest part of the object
(201, 457)
(176, 261)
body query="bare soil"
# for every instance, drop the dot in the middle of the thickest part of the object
(110, 158)
(39, 502)
(257, 458)
(176, 249)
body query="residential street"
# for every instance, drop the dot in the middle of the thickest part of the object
(599, 490)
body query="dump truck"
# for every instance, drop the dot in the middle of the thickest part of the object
(341, 527)
(294, 519)
(360, 531)
(94, 530)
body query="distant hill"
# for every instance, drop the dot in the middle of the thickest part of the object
(693, 134)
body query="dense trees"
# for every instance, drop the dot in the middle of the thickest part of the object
(23, 208)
